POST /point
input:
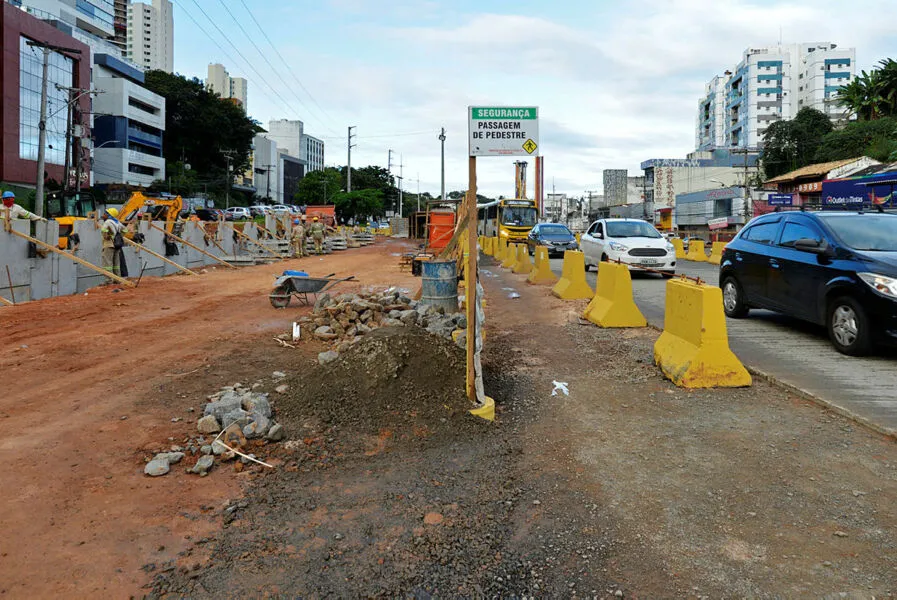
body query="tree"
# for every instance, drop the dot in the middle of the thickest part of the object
(358, 204)
(318, 187)
(789, 145)
(876, 139)
(872, 95)
(199, 125)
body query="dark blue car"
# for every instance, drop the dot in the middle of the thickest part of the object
(837, 269)
(554, 236)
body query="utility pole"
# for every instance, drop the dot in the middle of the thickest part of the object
(401, 177)
(349, 165)
(389, 165)
(68, 144)
(418, 191)
(42, 125)
(442, 165)
(228, 157)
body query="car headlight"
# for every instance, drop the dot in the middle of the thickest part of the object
(618, 247)
(670, 248)
(884, 285)
(503, 233)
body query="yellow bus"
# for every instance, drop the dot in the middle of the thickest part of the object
(508, 219)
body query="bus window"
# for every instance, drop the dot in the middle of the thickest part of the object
(519, 216)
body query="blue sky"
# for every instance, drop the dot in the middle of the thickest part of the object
(616, 82)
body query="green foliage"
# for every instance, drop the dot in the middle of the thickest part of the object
(876, 139)
(358, 204)
(318, 187)
(872, 95)
(789, 145)
(199, 125)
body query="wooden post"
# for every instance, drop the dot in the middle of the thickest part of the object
(262, 246)
(189, 245)
(211, 238)
(471, 277)
(6, 302)
(72, 257)
(159, 256)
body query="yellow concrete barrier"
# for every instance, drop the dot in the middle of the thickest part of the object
(510, 258)
(493, 246)
(501, 249)
(524, 265)
(613, 305)
(542, 274)
(716, 253)
(485, 245)
(680, 248)
(572, 284)
(696, 251)
(578, 237)
(693, 350)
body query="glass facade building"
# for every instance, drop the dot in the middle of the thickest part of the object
(60, 73)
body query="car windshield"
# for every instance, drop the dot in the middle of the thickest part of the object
(518, 216)
(622, 229)
(872, 233)
(558, 231)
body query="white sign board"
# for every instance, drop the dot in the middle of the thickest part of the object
(503, 130)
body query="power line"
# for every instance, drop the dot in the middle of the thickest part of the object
(265, 58)
(279, 55)
(245, 60)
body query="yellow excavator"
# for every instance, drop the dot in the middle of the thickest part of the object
(65, 210)
(155, 208)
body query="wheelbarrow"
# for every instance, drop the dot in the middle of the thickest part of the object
(300, 285)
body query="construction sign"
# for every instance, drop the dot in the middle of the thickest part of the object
(503, 130)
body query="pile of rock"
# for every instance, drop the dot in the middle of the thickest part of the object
(346, 318)
(241, 413)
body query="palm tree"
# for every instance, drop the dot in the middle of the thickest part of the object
(863, 96)
(887, 71)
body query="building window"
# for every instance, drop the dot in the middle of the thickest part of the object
(59, 72)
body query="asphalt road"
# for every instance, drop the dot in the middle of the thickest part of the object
(790, 350)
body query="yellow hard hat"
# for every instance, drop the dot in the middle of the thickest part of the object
(316, 218)
(112, 212)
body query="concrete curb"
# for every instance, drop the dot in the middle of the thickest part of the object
(807, 395)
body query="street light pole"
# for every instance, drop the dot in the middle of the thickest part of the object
(349, 161)
(442, 165)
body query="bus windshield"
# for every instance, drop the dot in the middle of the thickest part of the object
(518, 216)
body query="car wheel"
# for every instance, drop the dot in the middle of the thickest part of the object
(733, 299)
(667, 275)
(848, 327)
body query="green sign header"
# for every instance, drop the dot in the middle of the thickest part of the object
(515, 113)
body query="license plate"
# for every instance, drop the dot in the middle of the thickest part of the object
(647, 261)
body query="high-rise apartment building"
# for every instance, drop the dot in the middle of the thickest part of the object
(151, 35)
(218, 80)
(120, 24)
(768, 85)
(93, 16)
(312, 153)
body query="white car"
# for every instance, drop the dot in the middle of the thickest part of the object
(631, 241)
(235, 213)
(281, 208)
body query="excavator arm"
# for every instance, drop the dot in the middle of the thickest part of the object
(160, 209)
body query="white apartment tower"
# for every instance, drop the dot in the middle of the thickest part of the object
(288, 135)
(151, 35)
(312, 153)
(218, 80)
(768, 85)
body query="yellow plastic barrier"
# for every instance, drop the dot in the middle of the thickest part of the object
(524, 265)
(542, 274)
(696, 251)
(613, 305)
(680, 248)
(578, 237)
(510, 258)
(716, 253)
(693, 350)
(572, 284)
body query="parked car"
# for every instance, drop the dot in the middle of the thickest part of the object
(554, 236)
(259, 210)
(281, 208)
(631, 241)
(235, 213)
(837, 269)
(208, 214)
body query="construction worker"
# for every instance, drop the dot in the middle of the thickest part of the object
(297, 238)
(317, 231)
(15, 211)
(111, 227)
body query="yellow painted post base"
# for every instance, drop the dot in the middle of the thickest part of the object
(572, 284)
(613, 305)
(680, 248)
(716, 253)
(486, 411)
(523, 266)
(693, 350)
(542, 274)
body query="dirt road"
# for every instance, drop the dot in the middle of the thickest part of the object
(92, 383)
(628, 486)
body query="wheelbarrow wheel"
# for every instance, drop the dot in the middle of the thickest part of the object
(280, 297)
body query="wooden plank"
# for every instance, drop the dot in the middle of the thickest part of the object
(470, 278)
(159, 256)
(74, 258)
(262, 246)
(189, 245)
